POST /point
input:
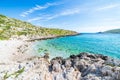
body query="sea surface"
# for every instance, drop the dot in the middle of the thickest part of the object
(106, 44)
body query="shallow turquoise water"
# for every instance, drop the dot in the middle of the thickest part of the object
(106, 44)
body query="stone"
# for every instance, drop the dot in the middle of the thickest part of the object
(91, 77)
(68, 63)
(56, 67)
(106, 71)
(58, 59)
(92, 56)
(72, 56)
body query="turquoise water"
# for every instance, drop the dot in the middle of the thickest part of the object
(106, 44)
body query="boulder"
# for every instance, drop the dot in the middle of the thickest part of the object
(56, 67)
(68, 63)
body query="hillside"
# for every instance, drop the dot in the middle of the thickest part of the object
(10, 27)
(113, 31)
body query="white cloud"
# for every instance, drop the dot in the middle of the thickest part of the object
(38, 7)
(107, 7)
(63, 13)
(70, 12)
(34, 19)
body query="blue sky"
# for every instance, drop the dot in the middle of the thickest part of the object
(77, 15)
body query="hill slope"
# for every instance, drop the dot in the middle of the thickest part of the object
(10, 27)
(113, 31)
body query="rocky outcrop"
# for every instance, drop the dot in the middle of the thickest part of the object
(85, 66)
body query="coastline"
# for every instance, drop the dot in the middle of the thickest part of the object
(52, 37)
(17, 55)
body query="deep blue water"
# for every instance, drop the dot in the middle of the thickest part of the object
(106, 44)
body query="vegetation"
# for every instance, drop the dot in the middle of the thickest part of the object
(15, 74)
(10, 27)
(113, 31)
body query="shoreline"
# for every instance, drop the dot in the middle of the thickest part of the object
(18, 55)
(51, 37)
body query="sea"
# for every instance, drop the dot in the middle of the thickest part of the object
(107, 44)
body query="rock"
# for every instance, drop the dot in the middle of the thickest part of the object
(112, 62)
(118, 76)
(58, 59)
(106, 71)
(107, 78)
(84, 66)
(73, 56)
(72, 75)
(116, 73)
(19, 67)
(58, 77)
(82, 55)
(56, 67)
(81, 65)
(90, 69)
(116, 62)
(92, 56)
(102, 56)
(46, 56)
(91, 77)
(68, 63)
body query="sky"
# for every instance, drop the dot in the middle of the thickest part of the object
(76, 15)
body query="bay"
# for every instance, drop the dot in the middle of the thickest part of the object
(106, 44)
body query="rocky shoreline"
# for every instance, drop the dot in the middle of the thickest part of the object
(85, 66)
(21, 64)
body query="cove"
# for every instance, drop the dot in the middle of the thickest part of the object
(102, 43)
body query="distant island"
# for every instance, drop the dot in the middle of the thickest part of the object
(113, 31)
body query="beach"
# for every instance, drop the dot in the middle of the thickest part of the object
(12, 53)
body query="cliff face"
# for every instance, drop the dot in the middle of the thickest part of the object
(10, 27)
